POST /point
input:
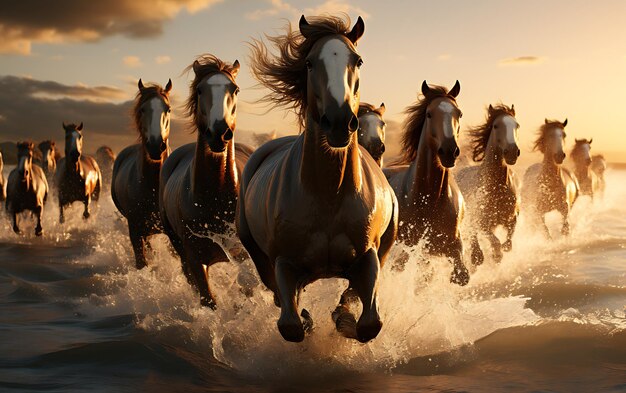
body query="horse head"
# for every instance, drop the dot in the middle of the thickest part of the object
(24, 159)
(552, 140)
(73, 141)
(372, 130)
(152, 115)
(504, 129)
(48, 153)
(581, 153)
(332, 67)
(442, 123)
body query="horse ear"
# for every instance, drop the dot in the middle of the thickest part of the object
(456, 89)
(565, 123)
(513, 109)
(140, 85)
(425, 89)
(235, 68)
(64, 126)
(305, 27)
(196, 66)
(80, 126)
(578, 140)
(490, 108)
(590, 140)
(546, 120)
(357, 31)
(382, 108)
(168, 87)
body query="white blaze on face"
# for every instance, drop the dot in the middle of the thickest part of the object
(158, 119)
(335, 54)
(510, 126)
(220, 109)
(369, 126)
(447, 108)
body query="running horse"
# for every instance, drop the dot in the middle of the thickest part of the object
(78, 176)
(431, 205)
(316, 205)
(48, 158)
(3, 194)
(136, 170)
(200, 181)
(27, 188)
(372, 130)
(547, 186)
(491, 188)
(105, 157)
(599, 166)
(587, 178)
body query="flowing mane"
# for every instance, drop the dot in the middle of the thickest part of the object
(364, 108)
(144, 95)
(207, 64)
(539, 143)
(416, 116)
(285, 74)
(480, 134)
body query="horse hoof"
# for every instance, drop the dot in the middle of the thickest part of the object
(368, 331)
(61, 220)
(507, 246)
(38, 232)
(140, 265)
(86, 215)
(17, 230)
(460, 276)
(291, 329)
(208, 302)
(307, 321)
(345, 323)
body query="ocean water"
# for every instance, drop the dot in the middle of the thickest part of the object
(76, 316)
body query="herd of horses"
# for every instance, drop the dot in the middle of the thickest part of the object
(315, 205)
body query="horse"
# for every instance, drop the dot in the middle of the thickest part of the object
(598, 166)
(587, 178)
(78, 176)
(199, 181)
(547, 186)
(105, 157)
(491, 188)
(431, 205)
(48, 158)
(372, 130)
(3, 194)
(316, 205)
(136, 170)
(27, 188)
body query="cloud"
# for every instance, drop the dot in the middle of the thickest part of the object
(280, 7)
(521, 61)
(162, 59)
(132, 61)
(29, 22)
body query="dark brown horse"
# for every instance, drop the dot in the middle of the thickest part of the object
(431, 205)
(136, 171)
(105, 157)
(316, 205)
(200, 181)
(77, 177)
(547, 186)
(3, 194)
(27, 188)
(490, 189)
(581, 155)
(372, 130)
(48, 158)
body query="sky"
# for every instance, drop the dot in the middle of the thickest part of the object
(75, 60)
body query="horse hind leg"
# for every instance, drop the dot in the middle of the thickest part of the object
(139, 242)
(477, 254)
(496, 247)
(510, 230)
(364, 280)
(289, 323)
(16, 228)
(344, 319)
(86, 213)
(460, 274)
(39, 228)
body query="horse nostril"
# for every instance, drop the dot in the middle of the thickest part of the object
(228, 135)
(440, 151)
(518, 152)
(354, 124)
(457, 152)
(163, 146)
(382, 148)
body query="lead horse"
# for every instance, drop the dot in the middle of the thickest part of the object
(491, 188)
(546, 185)
(77, 177)
(200, 181)
(316, 205)
(431, 205)
(136, 170)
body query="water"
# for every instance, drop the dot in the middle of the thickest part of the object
(76, 316)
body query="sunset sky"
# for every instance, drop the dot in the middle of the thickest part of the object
(80, 60)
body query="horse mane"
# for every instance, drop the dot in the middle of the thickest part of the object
(364, 108)
(149, 92)
(479, 135)
(207, 64)
(22, 145)
(539, 143)
(578, 147)
(285, 74)
(416, 116)
(48, 143)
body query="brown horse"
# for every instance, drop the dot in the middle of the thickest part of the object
(200, 181)
(431, 205)
(27, 188)
(372, 130)
(490, 189)
(105, 157)
(77, 177)
(136, 171)
(316, 205)
(587, 179)
(48, 158)
(547, 186)
(3, 194)
(598, 166)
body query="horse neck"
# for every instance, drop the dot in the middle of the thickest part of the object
(75, 168)
(581, 171)
(150, 169)
(211, 173)
(327, 171)
(494, 168)
(430, 177)
(550, 168)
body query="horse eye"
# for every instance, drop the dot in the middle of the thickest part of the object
(308, 64)
(359, 62)
(236, 91)
(169, 109)
(428, 115)
(460, 115)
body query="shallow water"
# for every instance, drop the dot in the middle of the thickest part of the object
(76, 316)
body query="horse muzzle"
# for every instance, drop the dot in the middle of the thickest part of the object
(448, 153)
(219, 136)
(155, 148)
(511, 155)
(339, 125)
(559, 157)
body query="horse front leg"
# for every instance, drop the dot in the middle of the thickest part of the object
(16, 228)
(61, 213)
(460, 274)
(496, 247)
(477, 254)
(287, 281)
(344, 320)
(510, 231)
(364, 279)
(87, 201)
(139, 242)
(38, 228)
